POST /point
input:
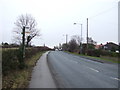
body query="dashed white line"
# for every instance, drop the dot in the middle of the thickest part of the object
(115, 78)
(93, 69)
(87, 67)
(73, 61)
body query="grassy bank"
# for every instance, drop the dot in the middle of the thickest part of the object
(20, 78)
(106, 58)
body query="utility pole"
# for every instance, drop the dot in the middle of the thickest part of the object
(23, 44)
(87, 34)
(44, 45)
(81, 40)
(22, 49)
(66, 38)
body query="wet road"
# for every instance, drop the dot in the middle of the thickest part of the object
(72, 71)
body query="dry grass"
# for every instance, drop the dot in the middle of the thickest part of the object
(13, 48)
(4, 49)
(110, 58)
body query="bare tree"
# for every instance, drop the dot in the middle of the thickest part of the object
(77, 38)
(73, 46)
(31, 24)
(65, 46)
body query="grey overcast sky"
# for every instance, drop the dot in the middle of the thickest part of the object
(55, 18)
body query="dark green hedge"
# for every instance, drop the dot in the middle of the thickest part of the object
(108, 53)
(11, 58)
(9, 61)
(97, 53)
(94, 52)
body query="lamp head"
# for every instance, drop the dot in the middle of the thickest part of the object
(75, 23)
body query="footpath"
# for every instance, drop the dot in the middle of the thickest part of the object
(41, 75)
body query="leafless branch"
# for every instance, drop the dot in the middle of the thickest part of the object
(26, 21)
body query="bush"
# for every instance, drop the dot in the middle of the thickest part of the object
(9, 60)
(12, 58)
(97, 53)
(73, 46)
(94, 52)
(107, 53)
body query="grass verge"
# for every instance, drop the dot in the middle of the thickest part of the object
(20, 78)
(106, 58)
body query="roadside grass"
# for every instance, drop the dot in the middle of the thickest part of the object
(106, 58)
(13, 48)
(20, 78)
(4, 49)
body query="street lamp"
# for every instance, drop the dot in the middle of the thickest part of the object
(81, 38)
(66, 38)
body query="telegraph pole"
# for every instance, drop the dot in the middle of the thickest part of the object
(22, 50)
(87, 33)
(23, 44)
(66, 38)
(81, 40)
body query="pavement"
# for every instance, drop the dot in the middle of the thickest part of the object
(72, 71)
(41, 75)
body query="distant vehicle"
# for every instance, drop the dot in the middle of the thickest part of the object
(60, 49)
(117, 51)
(56, 49)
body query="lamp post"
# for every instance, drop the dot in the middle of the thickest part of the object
(81, 38)
(66, 37)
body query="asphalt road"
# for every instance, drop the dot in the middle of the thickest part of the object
(72, 71)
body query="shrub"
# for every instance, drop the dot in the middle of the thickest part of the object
(94, 52)
(9, 60)
(108, 53)
(12, 58)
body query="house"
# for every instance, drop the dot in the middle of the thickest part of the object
(91, 41)
(99, 46)
(110, 46)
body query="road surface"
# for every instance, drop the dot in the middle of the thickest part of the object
(72, 71)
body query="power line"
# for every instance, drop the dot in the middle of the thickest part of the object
(102, 12)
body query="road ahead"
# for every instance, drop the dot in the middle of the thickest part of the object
(72, 71)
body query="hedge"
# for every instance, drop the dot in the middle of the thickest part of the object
(98, 53)
(11, 58)
(9, 61)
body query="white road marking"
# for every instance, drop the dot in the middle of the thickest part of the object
(87, 67)
(73, 61)
(115, 78)
(93, 69)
